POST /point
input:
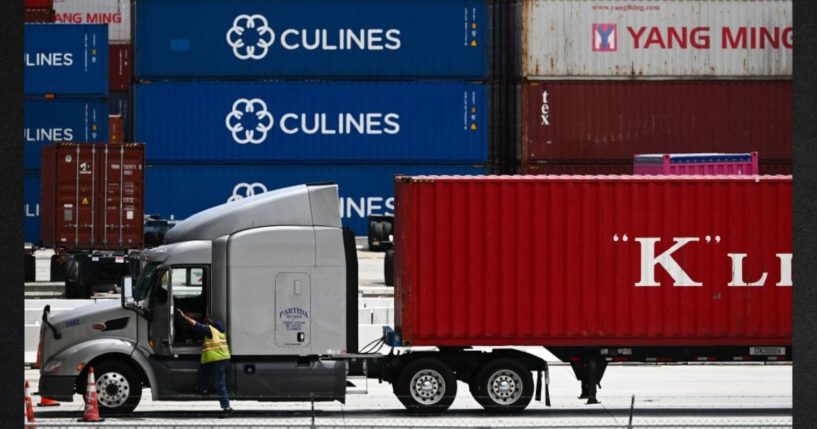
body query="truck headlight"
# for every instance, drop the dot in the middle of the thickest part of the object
(52, 366)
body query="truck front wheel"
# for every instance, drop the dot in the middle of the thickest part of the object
(503, 385)
(118, 388)
(426, 385)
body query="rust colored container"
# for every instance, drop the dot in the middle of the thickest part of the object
(39, 15)
(593, 261)
(770, 168)
(92, 195)
(594, 121)
(581, 169)
(38, 4)
(116, 128)
(119, 57)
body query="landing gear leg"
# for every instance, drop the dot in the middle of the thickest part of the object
(589, 372)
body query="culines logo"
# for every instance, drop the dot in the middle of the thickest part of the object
(259, 37)
(246, 190)
(604, 38)
(249, 121)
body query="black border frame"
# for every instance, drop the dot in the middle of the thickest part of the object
(11, 202)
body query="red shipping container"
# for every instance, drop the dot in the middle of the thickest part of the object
(116, 128)
(92, 195)
(613, 120)
(38, 4)
(580, 169)
(533, 167)
(119, 57)
(705, 164)
(38, 15)
(784, 168)
(593, 261)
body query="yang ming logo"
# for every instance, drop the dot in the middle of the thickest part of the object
(604, 37)
(250, 37)
(249, 121)
(245, 190)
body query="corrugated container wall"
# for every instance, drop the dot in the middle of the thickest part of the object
(119, 104)
(38, 16)
(607, 38)
(115, 13)
(120, 67)
(570, 261)
(704, 164)
(67, 60)
(116, 129)
(31, 194)
(614, 120)
(320, 38)
(38, 4)
(62, 120)
(351, 122)
(176, 192)
(93, 195)
(624, 168)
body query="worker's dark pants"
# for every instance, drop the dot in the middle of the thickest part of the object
(220, 369)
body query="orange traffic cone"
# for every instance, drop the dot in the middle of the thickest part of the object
(45, 402)
(29, 408)
(91, 406)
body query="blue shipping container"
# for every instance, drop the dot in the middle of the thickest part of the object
(181, 191)
(318, 38)
(62, 120)
(31, 194)
(268, 122)
(67, 60)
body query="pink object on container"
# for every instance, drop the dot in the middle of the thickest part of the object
(705, 164)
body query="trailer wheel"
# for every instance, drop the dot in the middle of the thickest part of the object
(388, 268)
(426, 385)
(118, 387)
(503, 385)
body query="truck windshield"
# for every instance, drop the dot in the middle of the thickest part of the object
(140, 290)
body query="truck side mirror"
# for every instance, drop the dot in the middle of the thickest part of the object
(127, 291)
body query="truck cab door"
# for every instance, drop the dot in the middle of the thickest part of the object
(160, 327)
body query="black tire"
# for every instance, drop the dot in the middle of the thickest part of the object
(57, 269)
(370, 236)
(440, 377)
(116, 378)
(71, 289)
(388, 228)
(378, 236)
(388, 268)
(485, 388)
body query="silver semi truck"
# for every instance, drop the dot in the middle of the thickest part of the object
(281, 272)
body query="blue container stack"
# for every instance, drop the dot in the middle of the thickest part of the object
(240, 97)
(66, 87)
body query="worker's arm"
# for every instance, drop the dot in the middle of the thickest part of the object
(190, 321)
(198, 328)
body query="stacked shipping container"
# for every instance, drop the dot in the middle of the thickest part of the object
(604, 81)
(250, 95)
(66, 86)
(77, 73)
(38, 11)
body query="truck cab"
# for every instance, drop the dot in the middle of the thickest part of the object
(276, 269)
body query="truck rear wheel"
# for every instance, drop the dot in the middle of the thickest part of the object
(503, 385)
(426, 385)
(118, 388)
(388, 268)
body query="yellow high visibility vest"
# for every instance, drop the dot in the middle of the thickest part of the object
(215, 348)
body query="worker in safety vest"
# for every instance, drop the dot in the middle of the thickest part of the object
(215, 356)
